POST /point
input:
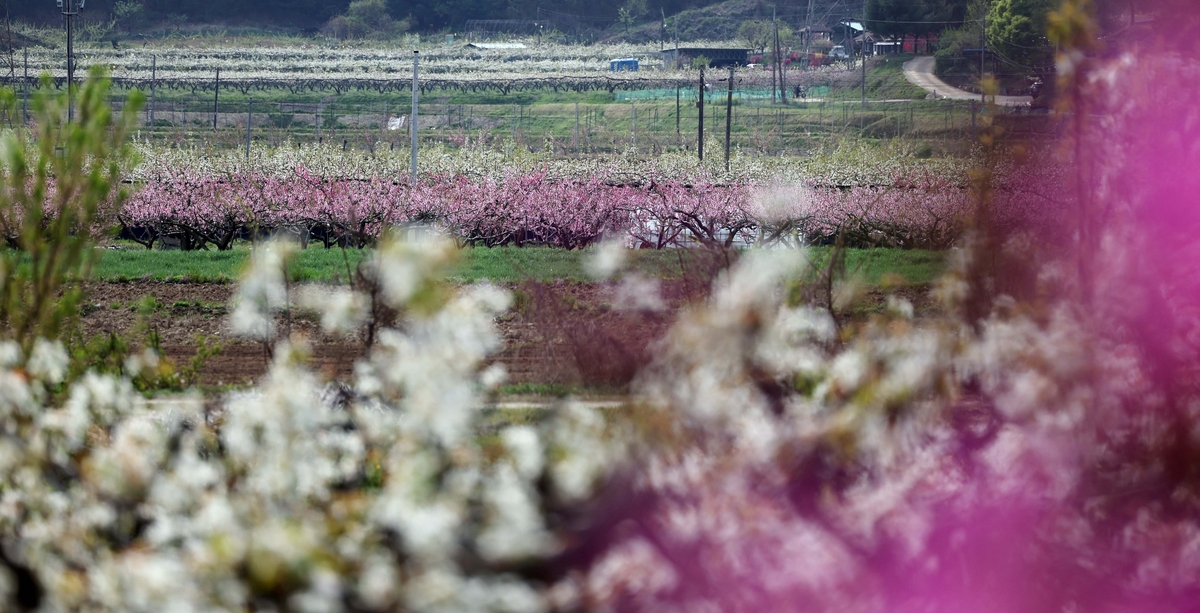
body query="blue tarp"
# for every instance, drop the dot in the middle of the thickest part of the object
(626, 64)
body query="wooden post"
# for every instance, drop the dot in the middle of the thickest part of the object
(25, 106)
(153, 81)
(728, 117)
(249, 123)
(412, 155)
(216, 98)
(974, 133)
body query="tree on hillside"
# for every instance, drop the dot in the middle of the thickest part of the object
(756, 34)
(365, 18)
(127, 13)
(899, 18)
(1016, 30)
(955, 39)
(631, 12)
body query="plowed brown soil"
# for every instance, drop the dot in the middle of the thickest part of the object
(558, 332)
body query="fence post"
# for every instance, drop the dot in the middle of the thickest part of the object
(249, 123)
(700, 105)
(412, 163)
(728, 117)
(216, 98)
(974, 134)
(633, 123)
(25, 82)
(677, 112)
(153, 82)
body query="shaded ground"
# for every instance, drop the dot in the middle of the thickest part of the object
(560, 332)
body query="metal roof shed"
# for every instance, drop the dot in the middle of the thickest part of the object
(718, 57)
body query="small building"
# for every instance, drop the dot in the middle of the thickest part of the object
(718, 57)
(818, 32)
(887, 46)
(866, 42)
(623, 64)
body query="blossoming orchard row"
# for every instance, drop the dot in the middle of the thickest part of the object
(201, 210)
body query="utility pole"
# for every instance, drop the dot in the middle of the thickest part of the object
(70, 9)
(774, 83)
(808, 31)
(982, 58)
(864, 58)
(779, 62)
(700, 131)
(662, 35)
(412, 163)
(728, 117)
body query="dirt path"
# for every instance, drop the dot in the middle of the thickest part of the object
(919, 72)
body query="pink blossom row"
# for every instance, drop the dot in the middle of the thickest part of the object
(203, 210)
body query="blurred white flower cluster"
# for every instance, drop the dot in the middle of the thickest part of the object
(275, 501)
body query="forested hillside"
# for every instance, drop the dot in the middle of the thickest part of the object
(1015, 27)
(424, 15)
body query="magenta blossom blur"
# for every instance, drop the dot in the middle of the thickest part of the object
(1043, 458)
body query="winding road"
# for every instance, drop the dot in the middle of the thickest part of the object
(919, 72)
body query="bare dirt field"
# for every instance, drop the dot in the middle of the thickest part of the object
(555, 333)
(564, 333)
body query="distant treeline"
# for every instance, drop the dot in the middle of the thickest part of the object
(425, 15)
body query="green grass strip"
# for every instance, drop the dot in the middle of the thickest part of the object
(500, 264)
